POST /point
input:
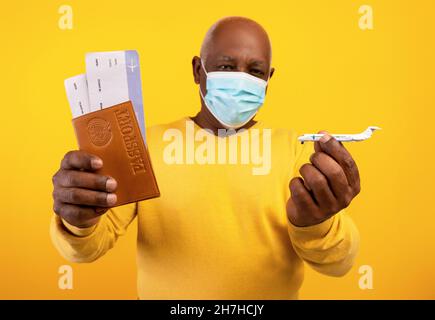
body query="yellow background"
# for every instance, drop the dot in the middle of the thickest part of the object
(329, 75)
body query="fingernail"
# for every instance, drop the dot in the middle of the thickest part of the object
(96, 163)
(111, 185)
(325, 138)
(111, 199)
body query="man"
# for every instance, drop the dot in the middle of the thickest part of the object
(218, 231)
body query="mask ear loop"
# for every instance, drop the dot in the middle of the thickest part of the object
(205, 71)
(200, 92)
(203, 67)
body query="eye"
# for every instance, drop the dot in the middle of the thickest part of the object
(257, 72)
(225, 67)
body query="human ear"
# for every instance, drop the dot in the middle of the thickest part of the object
(272, 70)
(196, 68)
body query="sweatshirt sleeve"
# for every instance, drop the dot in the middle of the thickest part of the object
(88, 244)
(331, 246)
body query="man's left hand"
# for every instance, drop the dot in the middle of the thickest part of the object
(328, 184)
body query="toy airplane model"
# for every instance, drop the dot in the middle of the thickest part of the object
(340, 137)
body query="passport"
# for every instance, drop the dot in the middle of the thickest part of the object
(114, 135)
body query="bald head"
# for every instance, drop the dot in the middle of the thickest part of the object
(237, 34)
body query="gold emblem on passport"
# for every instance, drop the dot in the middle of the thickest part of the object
(99, 131)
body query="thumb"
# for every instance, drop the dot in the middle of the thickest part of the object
(317, 146)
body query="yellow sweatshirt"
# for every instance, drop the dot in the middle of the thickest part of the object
(218, 231)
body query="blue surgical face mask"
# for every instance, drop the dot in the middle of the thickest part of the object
(233, 98)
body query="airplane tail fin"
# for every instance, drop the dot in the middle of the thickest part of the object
(368, 132)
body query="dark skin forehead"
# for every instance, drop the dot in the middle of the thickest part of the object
(238, 41)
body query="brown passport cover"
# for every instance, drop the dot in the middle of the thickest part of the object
(113, 134)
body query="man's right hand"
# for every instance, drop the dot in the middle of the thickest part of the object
(80, 195)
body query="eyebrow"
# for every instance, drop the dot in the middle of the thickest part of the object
(257, 62)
